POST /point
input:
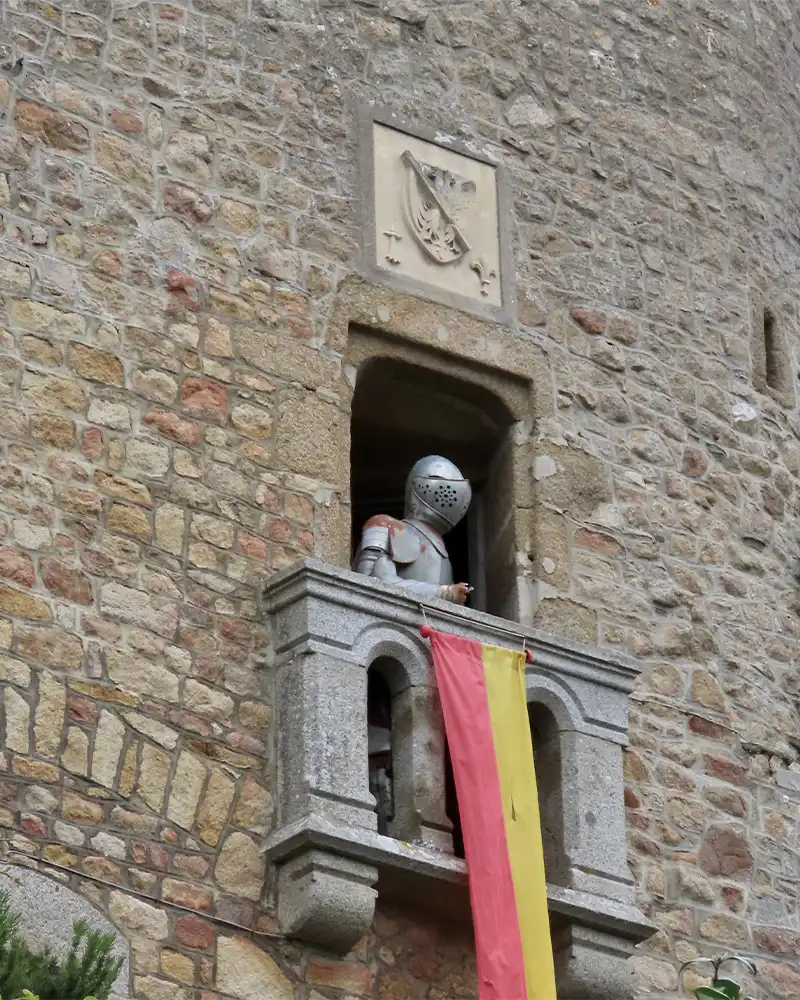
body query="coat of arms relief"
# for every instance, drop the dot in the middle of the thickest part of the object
(436, 215)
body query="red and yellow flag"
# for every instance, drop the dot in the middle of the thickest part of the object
(482, 690)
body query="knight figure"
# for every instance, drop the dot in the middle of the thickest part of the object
(411, 553)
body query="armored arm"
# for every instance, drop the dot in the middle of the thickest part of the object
(374, 558)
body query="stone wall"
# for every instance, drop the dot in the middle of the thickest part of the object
(177, 188)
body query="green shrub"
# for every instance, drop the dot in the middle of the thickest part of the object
(89, 967)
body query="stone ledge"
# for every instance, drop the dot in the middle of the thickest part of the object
(327, 593)
(573, 906)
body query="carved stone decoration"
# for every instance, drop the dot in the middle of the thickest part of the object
(327, 628)
(392, 253)
(435, 197)
(446, 203)
(485, 274)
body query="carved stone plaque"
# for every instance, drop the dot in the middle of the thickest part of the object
(435, 218)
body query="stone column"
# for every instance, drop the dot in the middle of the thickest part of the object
(594, 832)
(418, 763)
(321, 703)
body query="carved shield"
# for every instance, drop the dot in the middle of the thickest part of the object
(436, 201)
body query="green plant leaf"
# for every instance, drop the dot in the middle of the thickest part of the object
(720, 989)
(728, 986)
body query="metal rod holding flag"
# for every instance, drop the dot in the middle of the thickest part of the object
(426, 630)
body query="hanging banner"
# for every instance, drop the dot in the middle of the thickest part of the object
(482, 691)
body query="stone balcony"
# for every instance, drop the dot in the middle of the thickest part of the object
(327, 627)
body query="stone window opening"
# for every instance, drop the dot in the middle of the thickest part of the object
(776, 364)
(451, 805)
(545, 738)
(772, 368)
(404, 752)
(402, 412)
(379, 747)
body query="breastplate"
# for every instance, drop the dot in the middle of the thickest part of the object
(432, 565)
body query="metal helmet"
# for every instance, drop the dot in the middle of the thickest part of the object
(437, 493)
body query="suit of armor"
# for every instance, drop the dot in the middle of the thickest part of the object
(411, 553)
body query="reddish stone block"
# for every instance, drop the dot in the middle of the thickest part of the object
(16, 566)
(109, 263)
(82, 709)
(187, 202)
(159, 856)
(171, 425)
(194, 932)
(53, 127)
(632, 800)
(726, 770)
(205, 399)
(66, 581)
(33, 825)
(266, 924)
(778, 940)
(703, 727)
(185, 894)
(251, 545)
(348, 976)
(126, 121)
(733, 898)
(236, 630)
(280, 531)
(590, 320)
(195, 865)
(184, 290)
(139, 853)
(300, 327)
(185, 720)
(724, 852)
(306, 540)
(247, 744)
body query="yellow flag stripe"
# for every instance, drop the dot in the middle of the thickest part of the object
(505, 687)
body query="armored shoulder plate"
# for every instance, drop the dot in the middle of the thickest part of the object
(404, 544)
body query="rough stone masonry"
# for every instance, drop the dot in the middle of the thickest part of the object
(177, 191)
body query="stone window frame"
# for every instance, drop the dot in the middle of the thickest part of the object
(368, 116)
(370, 322)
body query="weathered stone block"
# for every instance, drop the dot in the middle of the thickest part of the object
(245, 971)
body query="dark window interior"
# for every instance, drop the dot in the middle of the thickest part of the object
(451, 805)
(379, 734)
(402, 412)
(772, 352)
(548, 765)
